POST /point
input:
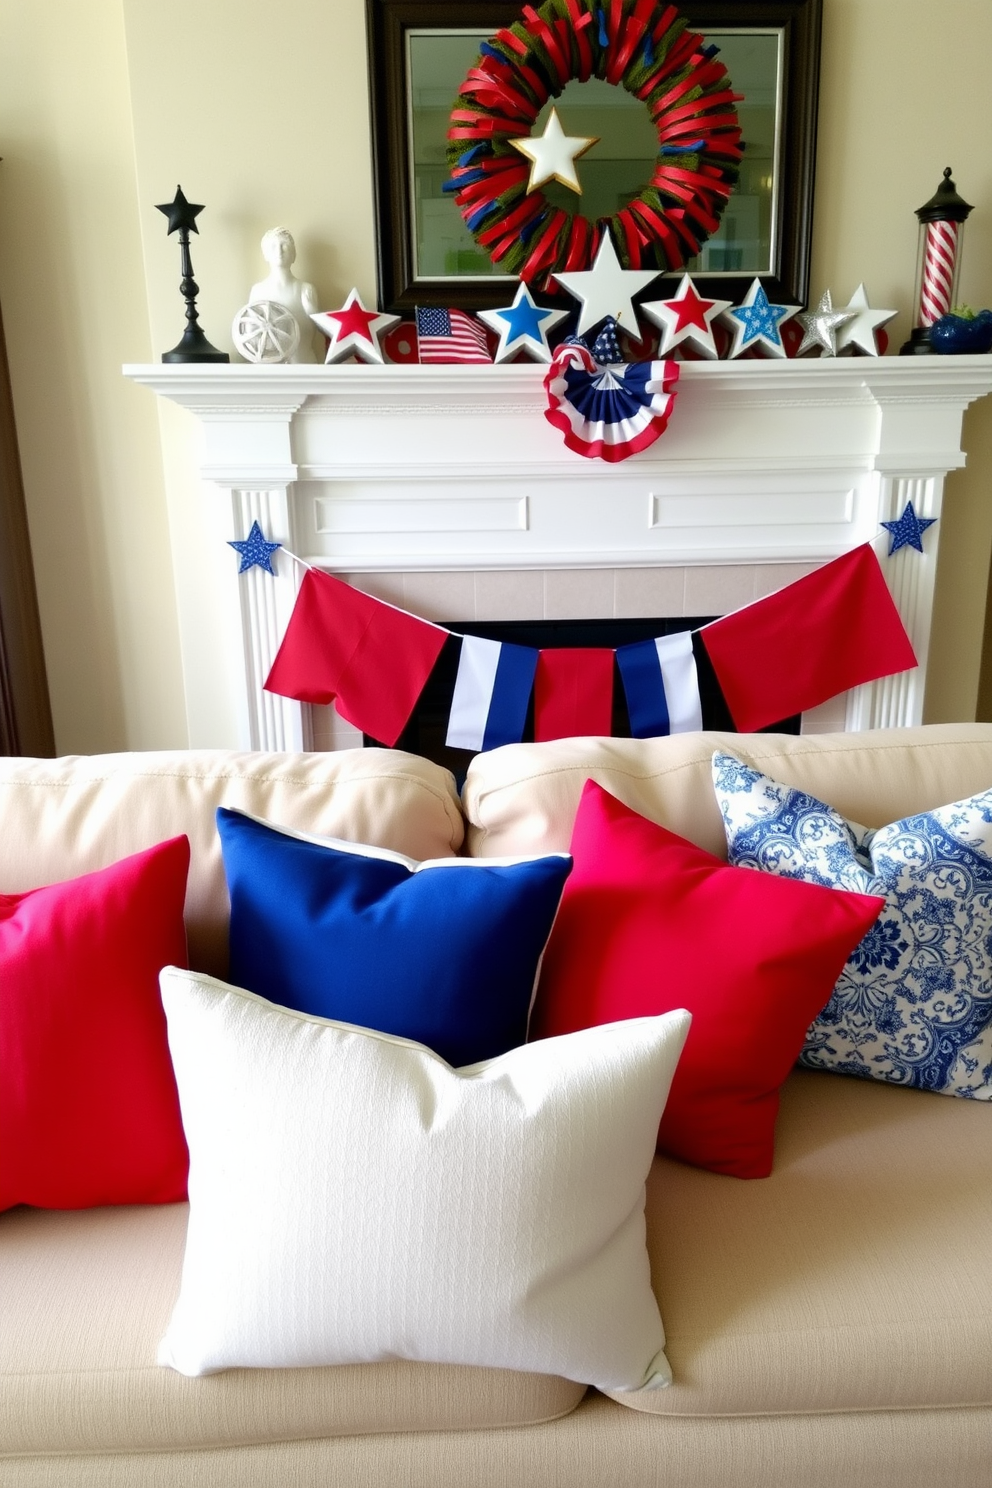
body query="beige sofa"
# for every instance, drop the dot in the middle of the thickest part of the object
(828, 1326)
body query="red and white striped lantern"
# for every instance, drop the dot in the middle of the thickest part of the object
(941, 232)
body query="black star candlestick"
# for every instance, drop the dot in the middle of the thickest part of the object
(194, 346)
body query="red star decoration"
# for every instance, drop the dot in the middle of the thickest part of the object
(690, 310)
(355, 320)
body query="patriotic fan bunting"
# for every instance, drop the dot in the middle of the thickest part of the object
(608, 412)
(832, 630)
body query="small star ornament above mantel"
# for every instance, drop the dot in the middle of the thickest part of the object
(860, 330)
(353, 330)
(756, 323)
(553, 155)
(255, 551)
(606, 289)
(522, 326)
(686, 319)
(907, 531)
(820, 326)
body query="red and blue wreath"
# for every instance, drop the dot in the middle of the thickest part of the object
(639, 45)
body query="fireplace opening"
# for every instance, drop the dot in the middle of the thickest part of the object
(427, 729)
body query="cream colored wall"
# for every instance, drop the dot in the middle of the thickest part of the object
(72, 286)
(260, 111)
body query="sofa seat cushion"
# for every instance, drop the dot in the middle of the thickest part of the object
(64, 817)
(85, 1298)
(855, 1278)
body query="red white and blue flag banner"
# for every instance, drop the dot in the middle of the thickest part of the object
(661, 685)
(608, 412)
(794, 649)
(832, 630)
(492, 693)
(446, 336)
(573, 692)
(344, 647)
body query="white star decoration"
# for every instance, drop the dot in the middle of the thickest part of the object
(523, 326)
(687, 317)
(755, 322)
(553, 154)
(864, 322)
(820, 326)
(607, 289)
(353, 329)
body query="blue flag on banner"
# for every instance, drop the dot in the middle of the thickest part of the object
(661, 686)
(492, 691)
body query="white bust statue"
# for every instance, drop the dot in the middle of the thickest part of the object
(281, 286)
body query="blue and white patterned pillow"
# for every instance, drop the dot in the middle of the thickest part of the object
(914, 1003)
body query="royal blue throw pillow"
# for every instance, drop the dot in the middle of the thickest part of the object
(445, 952)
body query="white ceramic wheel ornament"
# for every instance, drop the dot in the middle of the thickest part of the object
(265, 331)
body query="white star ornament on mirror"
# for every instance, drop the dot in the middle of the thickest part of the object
(553, 154)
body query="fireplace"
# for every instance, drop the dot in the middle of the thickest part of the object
(445, 491)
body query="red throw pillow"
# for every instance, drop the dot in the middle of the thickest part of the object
(648, 922)
(89, 1111)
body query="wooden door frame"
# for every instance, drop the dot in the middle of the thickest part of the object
(25, 711)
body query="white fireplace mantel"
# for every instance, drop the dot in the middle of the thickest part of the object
(378, 469)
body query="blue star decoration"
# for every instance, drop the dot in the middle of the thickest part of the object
(255, 550)
(908, 531)
(523, 326)
(756, 322)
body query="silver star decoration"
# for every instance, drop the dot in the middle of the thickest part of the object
(820, 326)
(606, 289)
(864, 322)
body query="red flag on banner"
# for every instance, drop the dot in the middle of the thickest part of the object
(344, 647)
(573, 692)
(833, 629)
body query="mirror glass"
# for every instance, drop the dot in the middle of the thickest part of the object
(612, 171)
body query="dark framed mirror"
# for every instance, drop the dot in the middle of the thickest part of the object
(419, 54)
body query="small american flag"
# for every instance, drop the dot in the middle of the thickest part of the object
(450, 336)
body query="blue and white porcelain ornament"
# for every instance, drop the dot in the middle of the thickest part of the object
(756, 323)
(523, 326)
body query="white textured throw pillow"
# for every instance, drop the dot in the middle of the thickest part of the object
(353, 1198)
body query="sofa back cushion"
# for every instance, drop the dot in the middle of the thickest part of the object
(64, 817)
(523, 798)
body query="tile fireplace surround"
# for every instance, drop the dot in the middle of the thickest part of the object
(445, 491)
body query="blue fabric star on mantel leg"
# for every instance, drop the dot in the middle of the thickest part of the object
(908, 530)
(255, 550)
